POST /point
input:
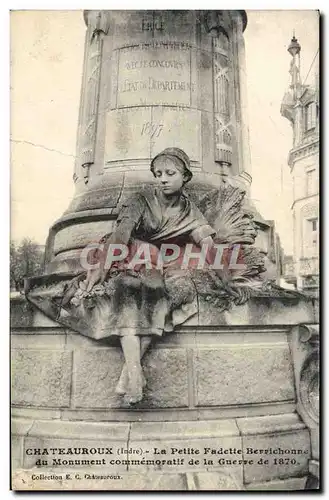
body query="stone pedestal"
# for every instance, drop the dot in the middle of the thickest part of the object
(210, 387)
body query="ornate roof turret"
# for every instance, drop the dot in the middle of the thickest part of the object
(291, 96)
(294, 47)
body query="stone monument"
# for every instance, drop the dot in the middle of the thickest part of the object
(233, 375)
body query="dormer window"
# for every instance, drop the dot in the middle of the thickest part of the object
(310, 116)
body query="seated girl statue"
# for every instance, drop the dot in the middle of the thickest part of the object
(161, 214)
(144, 278)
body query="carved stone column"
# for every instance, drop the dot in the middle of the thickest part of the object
(218, 25)
(232, 151)
(223, 135)
(97, 26)
(240, 100)
(151, 80)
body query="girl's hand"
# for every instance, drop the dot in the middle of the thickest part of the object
(93, 277)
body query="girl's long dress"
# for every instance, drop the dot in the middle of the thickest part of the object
(138, 301)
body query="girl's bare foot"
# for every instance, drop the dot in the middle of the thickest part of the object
(123, 384)
(133, 399)
(134, 393)
(131, 346)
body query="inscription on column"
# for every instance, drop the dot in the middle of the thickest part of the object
(156, 73)
(156, 24)
(152, 129)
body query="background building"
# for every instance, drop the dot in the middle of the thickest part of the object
(300, 106)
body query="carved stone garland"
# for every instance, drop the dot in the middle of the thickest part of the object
(223, 138)
(97, 28)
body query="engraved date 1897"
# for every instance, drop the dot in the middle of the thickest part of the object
(152, 129)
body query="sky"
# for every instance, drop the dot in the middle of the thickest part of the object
(46, 68)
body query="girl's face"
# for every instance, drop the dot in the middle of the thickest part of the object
(168, 175)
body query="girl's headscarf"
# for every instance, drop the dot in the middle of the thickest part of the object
(176, 153)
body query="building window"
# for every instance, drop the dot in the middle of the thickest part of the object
(313, 233)
(310, 116)
(310, 240)
(311, 182)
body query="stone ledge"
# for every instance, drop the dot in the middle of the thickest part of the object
(270, 424)
(20, 426)
(36, 331)
(184, 430)
(187, 335)
(260, 311)
(154, 414)
(79, 430)
(290, 484)
(47, 340)
(113, 430)
(35, 413)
